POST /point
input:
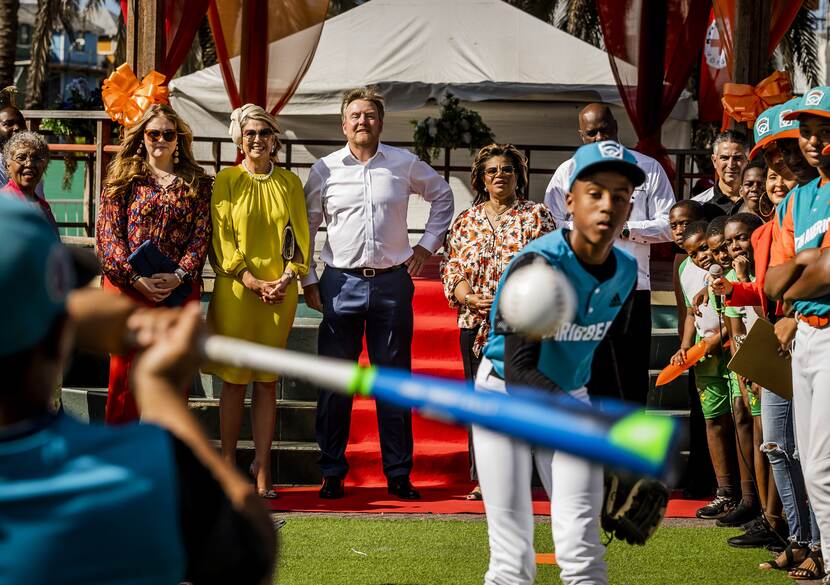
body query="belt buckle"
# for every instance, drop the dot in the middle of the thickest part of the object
(368, 272)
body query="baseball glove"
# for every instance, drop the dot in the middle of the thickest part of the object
(633, 507)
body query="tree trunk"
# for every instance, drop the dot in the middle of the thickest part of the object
(47, 12)
(8, 40)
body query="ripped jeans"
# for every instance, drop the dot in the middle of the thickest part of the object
(780, 447)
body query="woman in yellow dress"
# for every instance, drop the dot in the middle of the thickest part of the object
(260, 246)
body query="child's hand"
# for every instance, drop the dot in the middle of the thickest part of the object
(701, 298)
(721, 287)
(741, 266)
(679, 358)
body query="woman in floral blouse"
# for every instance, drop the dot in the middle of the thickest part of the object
(154, 191)
(481, 243)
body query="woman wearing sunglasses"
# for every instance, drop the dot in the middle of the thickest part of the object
(481, 243)
(260, 246)
(154, 192)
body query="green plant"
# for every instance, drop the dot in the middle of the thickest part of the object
(456, 127)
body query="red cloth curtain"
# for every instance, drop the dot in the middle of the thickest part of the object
(716, 65)
(782, 15)
(181, 23)
(652, 46)
(265, 47)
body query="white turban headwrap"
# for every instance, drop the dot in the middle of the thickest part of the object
(248, 112)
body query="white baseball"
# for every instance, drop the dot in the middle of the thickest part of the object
(536, 300)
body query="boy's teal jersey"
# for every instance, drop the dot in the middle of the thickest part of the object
(566, 357)
(811, 216)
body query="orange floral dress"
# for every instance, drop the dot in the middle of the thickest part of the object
(476, 252)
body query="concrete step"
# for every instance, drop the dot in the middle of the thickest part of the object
(673, 396)
(292, 462)
(294, 422)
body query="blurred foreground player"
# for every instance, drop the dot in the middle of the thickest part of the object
(88, 504)
(599, 198)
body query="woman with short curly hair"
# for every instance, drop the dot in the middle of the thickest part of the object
(27, 155)
(154, 192)
(481, 243)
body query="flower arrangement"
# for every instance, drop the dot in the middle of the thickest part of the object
(456, 127)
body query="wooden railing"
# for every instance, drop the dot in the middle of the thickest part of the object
(97, 157)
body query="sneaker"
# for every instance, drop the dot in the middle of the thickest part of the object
(717, 508)
(741, 514)
(758, 536)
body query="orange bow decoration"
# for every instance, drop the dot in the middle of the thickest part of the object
(126, 100)
(744, 103)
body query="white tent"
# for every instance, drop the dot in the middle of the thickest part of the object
(525, 77)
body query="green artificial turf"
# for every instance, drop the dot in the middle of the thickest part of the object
(335, 551)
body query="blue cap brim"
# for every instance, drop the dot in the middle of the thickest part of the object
(634, 173)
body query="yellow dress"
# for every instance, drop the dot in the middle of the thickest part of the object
(249, 216)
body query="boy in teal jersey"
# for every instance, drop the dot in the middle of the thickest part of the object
(711, 375)
(603, 277)
(91, 504)
(803, 282)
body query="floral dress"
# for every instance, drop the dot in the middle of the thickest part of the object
(478, 253)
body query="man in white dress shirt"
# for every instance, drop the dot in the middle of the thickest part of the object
(628, 344)
(362, 191)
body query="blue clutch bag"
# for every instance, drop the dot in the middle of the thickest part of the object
(148, 260)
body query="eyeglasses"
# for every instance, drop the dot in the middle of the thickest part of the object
(22, 159)
(605, 131)
(263, 134)
(156, 135)
(507, 170)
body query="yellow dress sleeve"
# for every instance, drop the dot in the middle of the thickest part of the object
(225, 256)
(298, 216)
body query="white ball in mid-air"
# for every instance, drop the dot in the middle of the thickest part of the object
(536, 300)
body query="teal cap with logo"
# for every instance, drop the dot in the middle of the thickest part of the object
(773, 125)
(36, 275)
(815, 102)
(606, 155)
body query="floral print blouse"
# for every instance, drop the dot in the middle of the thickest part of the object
(476, 252)
(175, 220)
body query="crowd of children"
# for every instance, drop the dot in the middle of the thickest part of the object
(763, 256)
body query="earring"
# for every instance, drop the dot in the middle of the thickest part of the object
(140, 149)
(176, 155)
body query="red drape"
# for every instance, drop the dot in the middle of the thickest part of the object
(181, 23)
(265, 47)
(716, 65)
(652, 46)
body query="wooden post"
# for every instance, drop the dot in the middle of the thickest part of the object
(145, 35)
(751, 40)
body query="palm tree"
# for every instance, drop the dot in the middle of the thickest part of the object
(49, 14)
(8, 40)
(799, 47)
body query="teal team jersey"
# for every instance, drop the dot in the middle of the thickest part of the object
(566, 357)
(811, 216)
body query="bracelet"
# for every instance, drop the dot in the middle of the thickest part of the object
(467, 299)
(289, 273)
(134, 278)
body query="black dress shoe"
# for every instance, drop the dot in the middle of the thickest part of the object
(759, 535)
(739, 515)
(332, 488)
(402, 488)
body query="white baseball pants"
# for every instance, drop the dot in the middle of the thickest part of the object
(574, 486)
(811, 409)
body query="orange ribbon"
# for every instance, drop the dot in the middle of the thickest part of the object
(744, 103)
(126, 100)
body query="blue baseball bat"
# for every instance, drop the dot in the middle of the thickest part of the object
(613, 434)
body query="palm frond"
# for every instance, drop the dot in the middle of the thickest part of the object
(799, 47)
(45, 19)
(581, 19)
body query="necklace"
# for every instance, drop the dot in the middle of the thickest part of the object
(505, 210)
(258, 177)
(161, 179)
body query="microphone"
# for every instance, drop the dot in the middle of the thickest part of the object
(715, 272)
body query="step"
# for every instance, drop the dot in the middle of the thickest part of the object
(292, 462)
(294, 420)
(673, 396)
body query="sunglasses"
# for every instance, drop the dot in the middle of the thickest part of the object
(264, 134)
(34, 159)
(505, 170)
(594, 131)
(156, 135)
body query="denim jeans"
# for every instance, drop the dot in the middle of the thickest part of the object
(780, 447)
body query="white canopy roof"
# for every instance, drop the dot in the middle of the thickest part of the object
(415, 50)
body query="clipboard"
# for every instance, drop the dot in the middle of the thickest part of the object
(758, 360)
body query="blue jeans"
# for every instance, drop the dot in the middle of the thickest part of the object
(380, 307)
(780, 447)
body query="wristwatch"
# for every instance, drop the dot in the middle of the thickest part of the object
(181, 275)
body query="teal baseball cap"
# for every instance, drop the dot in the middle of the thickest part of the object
(606, 155)
(773, 125)
(815, 102)
(36, 275)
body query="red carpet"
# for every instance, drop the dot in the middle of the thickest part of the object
(434, 501)
(440, 458)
